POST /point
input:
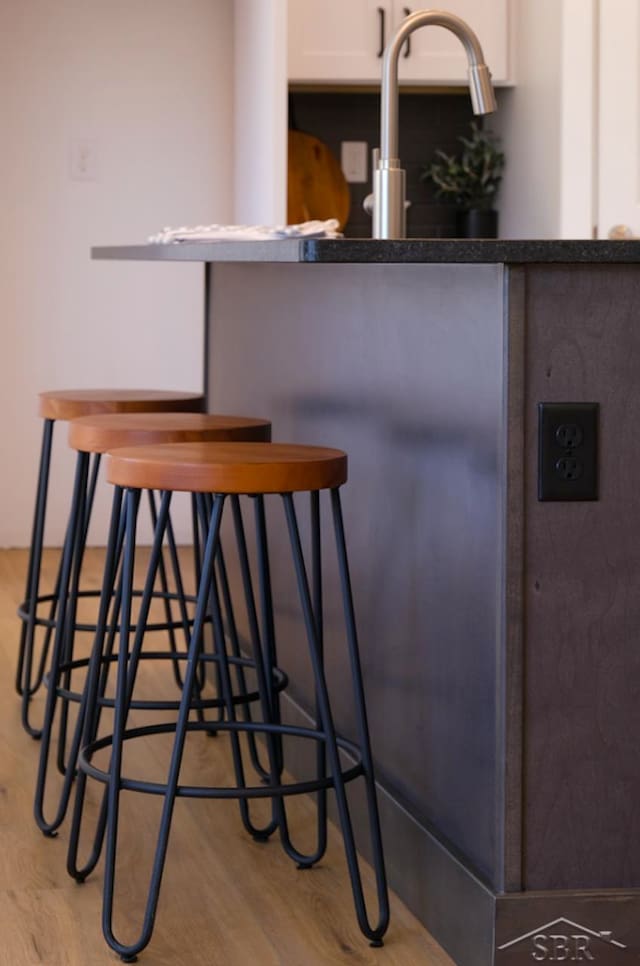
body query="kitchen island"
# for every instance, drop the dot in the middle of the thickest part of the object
(498, 632)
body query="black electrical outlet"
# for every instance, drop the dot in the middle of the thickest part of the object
(568, 451)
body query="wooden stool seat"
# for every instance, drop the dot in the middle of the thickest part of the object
(67, 404)
(223, 476)
(173, 618)
(104, 432)
(234, 468)
(72, 403)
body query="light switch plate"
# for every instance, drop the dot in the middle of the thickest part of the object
(83, 160)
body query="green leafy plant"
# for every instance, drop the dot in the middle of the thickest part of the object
(472, 178)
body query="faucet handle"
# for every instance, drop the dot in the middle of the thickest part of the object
(368, 204)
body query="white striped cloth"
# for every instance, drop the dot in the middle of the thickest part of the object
(209, 233)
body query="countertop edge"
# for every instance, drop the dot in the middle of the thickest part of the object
(373, 251)
(254, 251)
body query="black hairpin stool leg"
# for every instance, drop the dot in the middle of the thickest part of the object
(373, 932)
(60, 647)
(128, 952)
(26, 683)
(308, 861)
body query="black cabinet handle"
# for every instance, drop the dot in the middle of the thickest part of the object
(381, 16)
(407, 47)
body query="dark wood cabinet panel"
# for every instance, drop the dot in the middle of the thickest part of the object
(582, 591)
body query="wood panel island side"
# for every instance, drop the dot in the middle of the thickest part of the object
(498, 633)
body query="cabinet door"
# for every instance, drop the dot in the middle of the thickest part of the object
(619, 127)
(341, 41)
(337, 40)
(435, 55)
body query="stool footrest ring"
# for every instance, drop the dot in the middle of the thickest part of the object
(52, 622)
(280, 682)
(206, 791)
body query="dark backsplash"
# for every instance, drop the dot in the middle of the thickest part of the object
(427, 122)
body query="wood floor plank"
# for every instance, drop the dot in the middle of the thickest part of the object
(226, 900)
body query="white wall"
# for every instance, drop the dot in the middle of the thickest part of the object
(150, 83)
(547, 122)
(528, 121)
(579, 119)
(261, 111)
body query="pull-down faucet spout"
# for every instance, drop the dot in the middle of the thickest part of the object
(389, 219)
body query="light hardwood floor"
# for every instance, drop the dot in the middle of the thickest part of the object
(226, 900)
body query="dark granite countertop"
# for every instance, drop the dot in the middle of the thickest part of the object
(365, 250)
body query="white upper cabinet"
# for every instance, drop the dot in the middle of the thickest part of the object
(341, 41)
(435, 55)
(336, 40)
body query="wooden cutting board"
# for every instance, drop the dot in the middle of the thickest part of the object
(316, 185)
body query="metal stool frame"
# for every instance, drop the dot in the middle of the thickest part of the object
(329, 772)
(58, 679)
(29, 678)
(62, 626)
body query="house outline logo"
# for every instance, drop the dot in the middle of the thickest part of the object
(561, 943)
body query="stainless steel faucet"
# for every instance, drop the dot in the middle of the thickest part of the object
(389, 218)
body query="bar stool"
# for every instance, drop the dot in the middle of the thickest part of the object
(66, 404)
(92, 436)
(227, 472)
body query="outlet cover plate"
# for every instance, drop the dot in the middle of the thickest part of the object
(353, 160)
(568, 451)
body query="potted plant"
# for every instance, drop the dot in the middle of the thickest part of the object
(470, 181)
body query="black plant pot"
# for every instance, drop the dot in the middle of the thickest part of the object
(477, 223)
